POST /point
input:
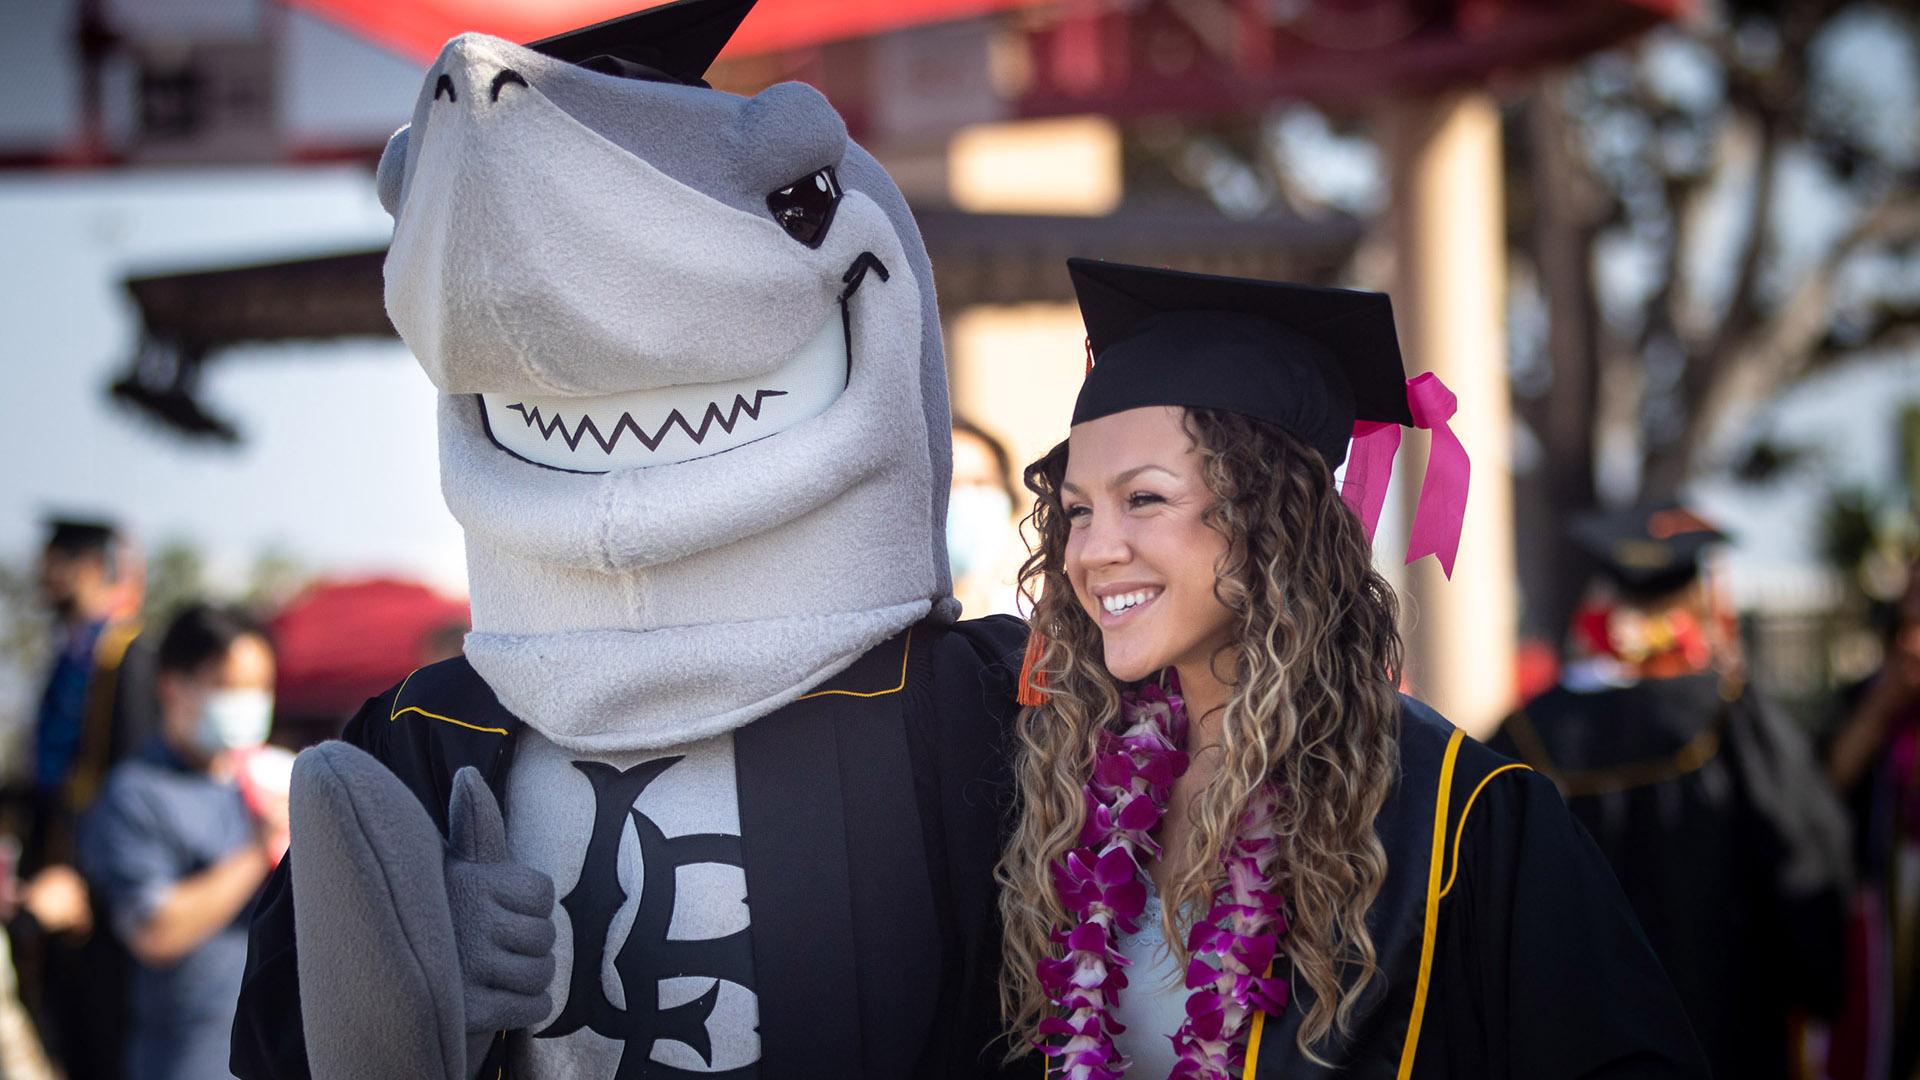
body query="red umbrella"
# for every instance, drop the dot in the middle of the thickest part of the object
(417, 29)
(341, 642)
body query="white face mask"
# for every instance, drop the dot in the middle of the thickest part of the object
(233, 720)
(979, 524)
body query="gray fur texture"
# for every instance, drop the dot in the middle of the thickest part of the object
(502, 915)
(377, 955)
(584, 235)
(565, 234)
(422, 972)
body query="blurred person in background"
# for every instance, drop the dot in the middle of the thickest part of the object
(96, 705)
(182, 836)
(1708, 801)
(21, 1055)
(1874, 760)
(981, 529)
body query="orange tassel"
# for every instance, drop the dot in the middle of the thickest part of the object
(1032, 679)
(1089, 356)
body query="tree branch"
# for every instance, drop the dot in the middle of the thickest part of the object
(1785, 346)
(1743, 302)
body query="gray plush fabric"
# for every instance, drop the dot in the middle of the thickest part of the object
(377, 952)
(502, 916)
(693, 793)
(586, 235)
(570, 235)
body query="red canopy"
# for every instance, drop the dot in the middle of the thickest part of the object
(418, 28)
(342, 642)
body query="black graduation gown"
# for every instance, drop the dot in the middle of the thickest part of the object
(1727, 840)
(871, 815)
(1507, 950)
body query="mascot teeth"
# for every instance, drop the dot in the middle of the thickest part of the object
(670, 424)
(685, 691)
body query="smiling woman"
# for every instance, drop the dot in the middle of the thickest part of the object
(1140, 553)
(1239, 850)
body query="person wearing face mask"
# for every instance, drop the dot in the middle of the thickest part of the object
(980, 525)
(182, 836)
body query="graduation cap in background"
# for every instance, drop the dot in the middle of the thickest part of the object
(674, 42)
(76, 536)
(1648, 550)
(1322, 364)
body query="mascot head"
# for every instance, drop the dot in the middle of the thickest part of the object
(693, 409)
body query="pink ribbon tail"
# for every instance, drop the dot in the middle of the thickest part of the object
(1370, 470)
(1442, 509)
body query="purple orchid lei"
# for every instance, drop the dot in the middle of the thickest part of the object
(1103, 884)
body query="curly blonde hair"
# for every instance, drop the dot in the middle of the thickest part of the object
(1313, 707)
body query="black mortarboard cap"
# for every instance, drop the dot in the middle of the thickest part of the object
(678, 41)
(79, 536)
(1308, 359)
(1649, 550)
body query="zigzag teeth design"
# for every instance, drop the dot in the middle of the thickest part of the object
(727, 420)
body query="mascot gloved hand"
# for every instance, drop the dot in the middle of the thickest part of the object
(693, 422)
(475, 956)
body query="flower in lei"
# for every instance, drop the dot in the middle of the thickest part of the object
(1102, 884)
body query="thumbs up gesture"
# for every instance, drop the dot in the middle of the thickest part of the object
(413, 947)
(502, 917)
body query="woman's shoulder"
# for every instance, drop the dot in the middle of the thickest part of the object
(1432, 748)
(1452, 789)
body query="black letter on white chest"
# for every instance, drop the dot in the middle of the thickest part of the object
(648, 956)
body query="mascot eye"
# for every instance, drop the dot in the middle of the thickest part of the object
(805, 207)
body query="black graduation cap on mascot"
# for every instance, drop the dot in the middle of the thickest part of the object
(1322, 364)
(1649, 550)
(674, 42)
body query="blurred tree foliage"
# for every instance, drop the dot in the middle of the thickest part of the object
(1729, 205)
(277, 575)
(1695, 221)
(1746, 190)
(23, 628)
(1872, 537)
(176, 577)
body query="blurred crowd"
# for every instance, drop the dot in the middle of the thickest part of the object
(148, 806)
(1775, 867)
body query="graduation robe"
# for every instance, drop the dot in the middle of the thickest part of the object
(871, 814)
(1506, 949)
(1727, 840)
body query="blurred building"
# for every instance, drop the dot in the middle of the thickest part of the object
(1022, 131)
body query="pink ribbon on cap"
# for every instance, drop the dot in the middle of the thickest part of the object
(1442, 509)
(1370, 470)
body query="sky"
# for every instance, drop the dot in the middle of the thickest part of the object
(1847, 419)
(337, 464)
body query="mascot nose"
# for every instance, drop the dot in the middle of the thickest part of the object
(443, 88)
(476, 70)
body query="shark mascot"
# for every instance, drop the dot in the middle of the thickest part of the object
(716, 789)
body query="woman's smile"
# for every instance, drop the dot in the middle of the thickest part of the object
(1124, 603)
(1140, 554)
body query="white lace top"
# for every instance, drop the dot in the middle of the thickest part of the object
(1154, 1004)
